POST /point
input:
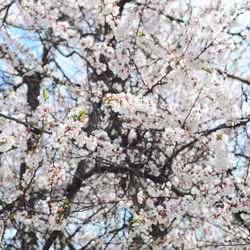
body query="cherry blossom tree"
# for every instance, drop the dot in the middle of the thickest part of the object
(124, 124)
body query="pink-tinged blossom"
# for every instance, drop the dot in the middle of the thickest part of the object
(124, 124)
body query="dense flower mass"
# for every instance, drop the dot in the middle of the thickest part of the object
(124, 124)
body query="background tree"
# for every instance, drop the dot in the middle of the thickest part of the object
(124, 124)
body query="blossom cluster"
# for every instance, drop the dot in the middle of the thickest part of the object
(124, 124)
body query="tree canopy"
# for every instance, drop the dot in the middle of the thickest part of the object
(124, 124)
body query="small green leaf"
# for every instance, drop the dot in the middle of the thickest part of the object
(101, 9)
(218, 4)
(66, 201)
(208, 69)
(226, 65)
(140, 32)
(82, 114)
(218, 137)
(2, 142)
(74, 117)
